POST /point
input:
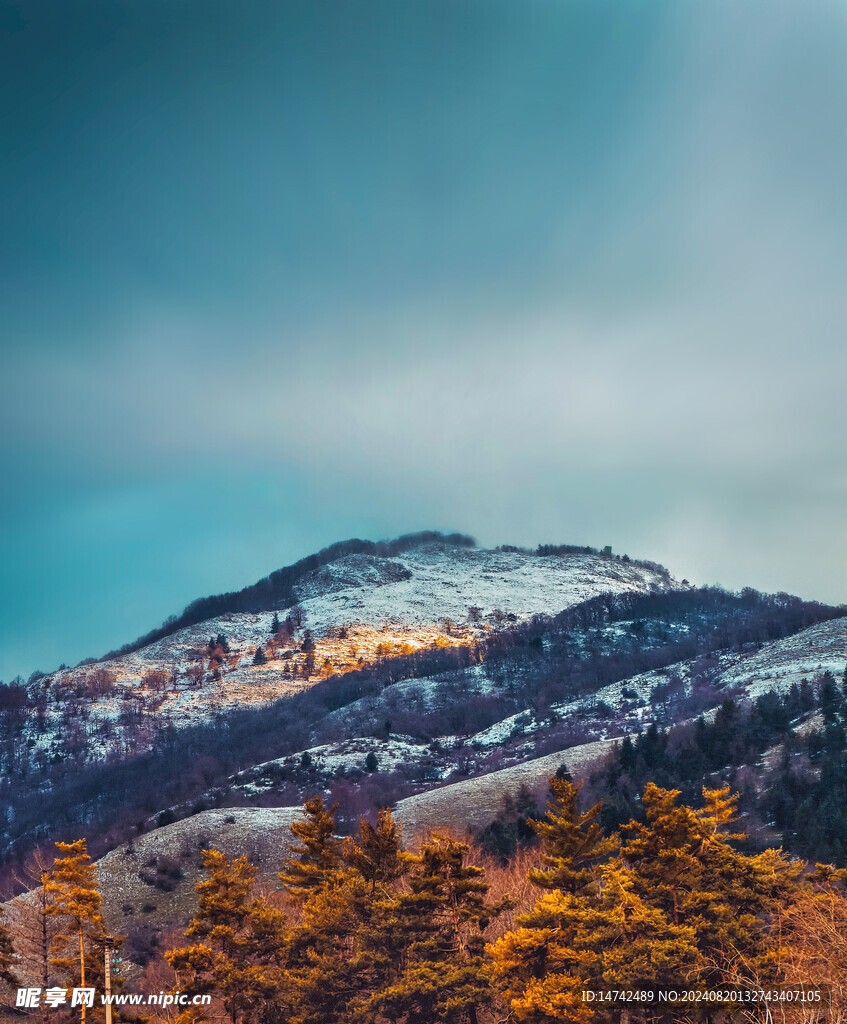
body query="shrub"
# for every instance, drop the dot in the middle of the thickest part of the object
(99, 683)
(170, 867)
(156, 679)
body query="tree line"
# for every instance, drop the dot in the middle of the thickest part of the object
(801, 798)
(362, 930)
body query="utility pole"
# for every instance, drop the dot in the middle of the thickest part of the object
(107, 953)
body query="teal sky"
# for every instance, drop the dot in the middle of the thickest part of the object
(277, 274)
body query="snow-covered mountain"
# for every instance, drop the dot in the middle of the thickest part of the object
(357, 609)
(394, 675)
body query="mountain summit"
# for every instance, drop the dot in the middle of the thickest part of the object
(343, 613)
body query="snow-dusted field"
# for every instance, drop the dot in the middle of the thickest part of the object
(820, 648)
(261, 833)
(474, 803)
(346, 756)
(447, 582)
(776, 666)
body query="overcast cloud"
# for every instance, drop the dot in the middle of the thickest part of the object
(279, 274)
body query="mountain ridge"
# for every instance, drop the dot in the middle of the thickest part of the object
(392, 674)
(353, 611)
(273, 591)
(276, 591)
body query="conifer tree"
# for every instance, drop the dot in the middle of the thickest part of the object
(608, 938)
(219, 641)
(367, 949)
(342, 951)
(376, 853)
(542, 967)
(275, 625)
(321, 975)
(74, 895)
(440, 973)
(317, 861)
(378, 863)
(239, 941)
(683, 863)
(635, 943)
(676, 903)
(572, 842)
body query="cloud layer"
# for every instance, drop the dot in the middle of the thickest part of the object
(541, 272)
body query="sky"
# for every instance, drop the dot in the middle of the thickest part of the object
(276, 274)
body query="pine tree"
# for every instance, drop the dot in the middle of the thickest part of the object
(260, 658)
(378, 864)
(573, 843)
(676, 903)
(240, 939)
(321, 976)
(74, 894)
(536, 967)
(440, 973)
(317, 861)
(683, 863)
(275, 625)
(635, 943)
(542, 967)
(831, 700)
(341, 952)
(608, 938)
(376, 854)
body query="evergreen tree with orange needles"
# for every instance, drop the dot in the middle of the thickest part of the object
(317, 859)
(573, 843)
(575, 931)
(337, 956)
(376, 853)
(435, 929)
(684, 863)
(239, 941)
(73, 893)
(677, 903)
